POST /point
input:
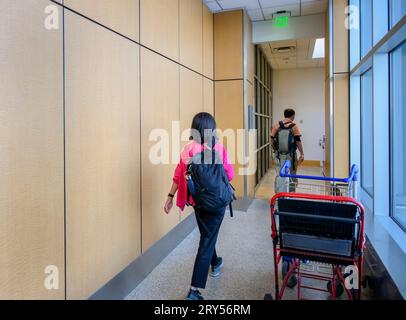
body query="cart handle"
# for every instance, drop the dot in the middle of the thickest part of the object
(320, 198)
(285, 173)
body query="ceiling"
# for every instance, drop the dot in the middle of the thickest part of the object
(260, 10)
(301, 55)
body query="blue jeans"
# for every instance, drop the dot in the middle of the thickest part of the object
(209, 224)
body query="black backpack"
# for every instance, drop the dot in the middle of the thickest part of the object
(208, 183)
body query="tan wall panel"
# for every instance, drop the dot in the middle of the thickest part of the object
(208, 41)
(208, 96)
(103, 153)
(191, 34)
(159, 107)
(327, 151)
(228, 45)
(229, 115)
(327, 48)
(327, 162)
(191, 103)
(120, 15)
(251, 178)
(340, 37)
(250, 51)
(341, 126)
(191, 96)
(160, 26)
(31, 157)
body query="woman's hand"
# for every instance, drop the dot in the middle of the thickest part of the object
(168, 205)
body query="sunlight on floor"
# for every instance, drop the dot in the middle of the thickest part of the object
(266, 189)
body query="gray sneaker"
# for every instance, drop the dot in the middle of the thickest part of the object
(216, 270)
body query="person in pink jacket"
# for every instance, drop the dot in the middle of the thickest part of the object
(209, 223)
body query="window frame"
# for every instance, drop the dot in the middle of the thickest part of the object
(391, 140)
(371, 69)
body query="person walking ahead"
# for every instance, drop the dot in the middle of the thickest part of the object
(286, 140)
(204, 167)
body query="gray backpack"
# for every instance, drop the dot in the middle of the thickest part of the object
(285, 140)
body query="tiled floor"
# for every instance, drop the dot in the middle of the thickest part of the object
(246, 247)
(267, 187)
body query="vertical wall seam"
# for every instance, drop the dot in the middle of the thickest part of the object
(129, 39)
(140, 122)
(179, 74)
(214, 69)
(64, 147)
(245, 94)
(203, 59)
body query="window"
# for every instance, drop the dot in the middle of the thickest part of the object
(366, 26)
(353, 24)
(367, 147)
(397, 11)
(398, 134)
(262, 113)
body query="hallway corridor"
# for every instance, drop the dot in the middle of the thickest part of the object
(246, 247)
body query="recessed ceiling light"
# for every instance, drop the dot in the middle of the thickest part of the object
(318, 52)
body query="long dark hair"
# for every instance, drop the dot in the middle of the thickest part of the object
(203, 129)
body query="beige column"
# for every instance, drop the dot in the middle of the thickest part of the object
(337, 91)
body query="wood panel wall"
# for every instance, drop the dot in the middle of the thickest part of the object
(191, 34)
(116, 94)
(31, 157)
(208, 43)
(229, 115)
(160, 26)
(122, 16)
(103, 153)
(231, 54)
(337, 93)
(208, 96)
(158, 109)
(228, 45)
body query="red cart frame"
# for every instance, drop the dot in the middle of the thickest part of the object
(337, 276)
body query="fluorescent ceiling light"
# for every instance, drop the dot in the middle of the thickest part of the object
(318, 52)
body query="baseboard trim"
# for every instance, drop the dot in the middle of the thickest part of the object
(311, 163)
(308, 163)
(127, 280)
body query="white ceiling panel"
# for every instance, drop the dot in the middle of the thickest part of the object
(256, 15)
(259, 10)
(233, 4)
(213, 6)
(299, 57)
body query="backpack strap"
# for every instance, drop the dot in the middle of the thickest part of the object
(281, 124)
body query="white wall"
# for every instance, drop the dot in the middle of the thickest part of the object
(302, 90)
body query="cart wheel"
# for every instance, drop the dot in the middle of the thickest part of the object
(339, 289)
(292, 282)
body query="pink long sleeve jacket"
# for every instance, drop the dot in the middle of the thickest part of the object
(180, 172)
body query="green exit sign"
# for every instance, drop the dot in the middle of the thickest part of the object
(282, 22)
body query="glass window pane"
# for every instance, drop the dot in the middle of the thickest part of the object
(397, 10)
(367, 133)
(398, 134)
(353, 22)
(366, 26)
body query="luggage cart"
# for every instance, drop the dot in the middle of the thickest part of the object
(316, 232)
(347, 187)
